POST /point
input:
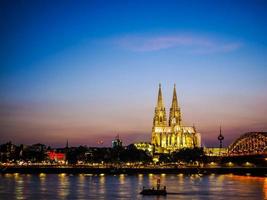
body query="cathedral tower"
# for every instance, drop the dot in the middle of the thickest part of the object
(171, 136)
(175, 112)
(160, 118)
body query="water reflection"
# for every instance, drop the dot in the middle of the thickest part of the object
(80, 187)
(63, 186)
(19, 186)
(124, 186)
(42, 178)
(265, 188)
(151, 180)
(8, 175)
(122, 179)
(102, 185)
(140, 179)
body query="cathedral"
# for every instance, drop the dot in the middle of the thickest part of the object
(171, 135)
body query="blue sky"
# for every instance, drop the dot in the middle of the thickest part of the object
(85, 71)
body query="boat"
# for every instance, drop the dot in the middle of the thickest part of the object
(153, 191)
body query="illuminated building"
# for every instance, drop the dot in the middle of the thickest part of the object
(215, 151)
(145, 146)
(171, 135)
(116, 142)
(55, 156)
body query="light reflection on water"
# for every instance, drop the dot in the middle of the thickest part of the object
(19, 186)
(63, 186)
(80, 187)
(265, 188)
(84, 186)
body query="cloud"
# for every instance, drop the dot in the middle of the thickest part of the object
(190, 43)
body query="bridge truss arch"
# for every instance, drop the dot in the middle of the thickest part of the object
(252, 143)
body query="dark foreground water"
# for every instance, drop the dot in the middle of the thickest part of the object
(88, 186)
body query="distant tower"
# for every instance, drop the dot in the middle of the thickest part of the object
(67, 144)
(220, 138)
(175, 112)
(160, 118)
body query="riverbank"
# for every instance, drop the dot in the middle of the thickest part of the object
(253, 171)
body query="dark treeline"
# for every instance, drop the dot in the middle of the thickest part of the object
(40, 153)
(108, 155)
(185, 155)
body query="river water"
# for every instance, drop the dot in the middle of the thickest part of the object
(89, 186)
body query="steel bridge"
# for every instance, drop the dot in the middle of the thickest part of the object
(252, 143)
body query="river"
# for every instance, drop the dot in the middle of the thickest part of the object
(90, 186)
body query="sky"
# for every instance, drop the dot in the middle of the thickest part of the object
(85, 71)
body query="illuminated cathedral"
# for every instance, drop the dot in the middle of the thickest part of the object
(171, 135)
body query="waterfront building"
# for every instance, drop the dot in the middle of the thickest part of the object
(145, 146)
(56, 156)
(117, 142)
(215, 151)
(171, 135)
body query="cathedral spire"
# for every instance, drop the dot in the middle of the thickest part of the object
(174, 98)
(160, 99)
(175, 114)
(160, 118)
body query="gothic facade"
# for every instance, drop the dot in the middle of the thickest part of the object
(169, 135)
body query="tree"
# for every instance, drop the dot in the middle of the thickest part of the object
(132, 154)
(189, 155)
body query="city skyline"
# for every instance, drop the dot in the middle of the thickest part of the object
(88, 71)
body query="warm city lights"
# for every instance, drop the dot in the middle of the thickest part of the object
(133, 99)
